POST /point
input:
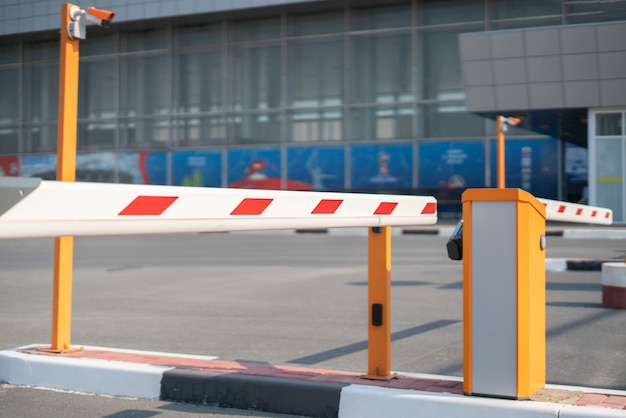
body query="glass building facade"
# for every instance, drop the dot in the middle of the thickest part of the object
(329, 97)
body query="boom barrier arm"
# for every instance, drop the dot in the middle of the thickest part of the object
(30, 207)
(574, 212)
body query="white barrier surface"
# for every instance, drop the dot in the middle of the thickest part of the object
(34, 208)
(574, 212)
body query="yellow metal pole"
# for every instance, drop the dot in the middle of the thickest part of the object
(500, 130)
(379, 304)
(66, 171)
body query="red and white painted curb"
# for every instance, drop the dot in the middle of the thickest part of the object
(614, 285)
(127, 379)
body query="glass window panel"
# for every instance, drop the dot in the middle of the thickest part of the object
(41, 92)
(200, 131)
(316, 73)
(437, 12)
(608, 124)
(450, 120)
(316, 24)
(9, 95)
(397, 16)
(41, 51)
(39, 138)
(524, 23)
(511, 9)
(98, 45)
(442, 69)
(97, 87)
(257, 128)
(316, 125)
(145, 133)
(9, 53)
(594, 11)
(9, 142)
(144, 40)
(200, 35)
(255, 83)
(609, 176)
(381, 69)
(381, 123)
(255, 30)
(198, 81)
(144, 85)
(96, 136)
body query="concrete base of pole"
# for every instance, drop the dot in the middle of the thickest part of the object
(614, 285)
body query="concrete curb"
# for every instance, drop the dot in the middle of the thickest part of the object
(311, 394)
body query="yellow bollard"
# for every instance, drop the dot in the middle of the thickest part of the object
(379, 304)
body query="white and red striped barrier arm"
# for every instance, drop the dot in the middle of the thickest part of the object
(574, 212)
(31, 207)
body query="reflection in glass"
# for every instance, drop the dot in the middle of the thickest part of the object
(39, 138)
(316, 24)
(316, 125)
(255, 81)
(145, 133)
(200, 35)
(442, 69)
(97, 86)
(9, 140)
(257, 128)
(316, 73)
(200, 130)
(9, 88)
(385, 17)
(41, 92)
(437, 12)
(450, 120)
(198, 81)
(255, 30)
(381, 123)
(608, 124)
(96, 136)
(381, 69)
(144, 85)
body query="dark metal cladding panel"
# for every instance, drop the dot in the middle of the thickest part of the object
(14, 189)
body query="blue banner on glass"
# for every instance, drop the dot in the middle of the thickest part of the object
(197, 168)
(530, 164)
(451, 165)
(381, 167)
(320, 167)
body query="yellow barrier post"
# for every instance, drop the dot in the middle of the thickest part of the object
(379, 304)
(503, 293)
(500, 150)
(66, 171)
(72, 30)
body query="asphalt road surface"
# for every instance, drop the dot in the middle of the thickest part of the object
(283, 299)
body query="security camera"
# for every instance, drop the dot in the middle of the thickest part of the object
(100, 17)
(77, 29)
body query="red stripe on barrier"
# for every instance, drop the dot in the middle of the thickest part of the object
(561, 209)
(607, 215)
(327, 206)
(429, 209)
(385, 208)
(594, 213)
(579, 211)
(251, 206)
(148, 205)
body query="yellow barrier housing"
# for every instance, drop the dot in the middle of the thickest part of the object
(503, 293)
